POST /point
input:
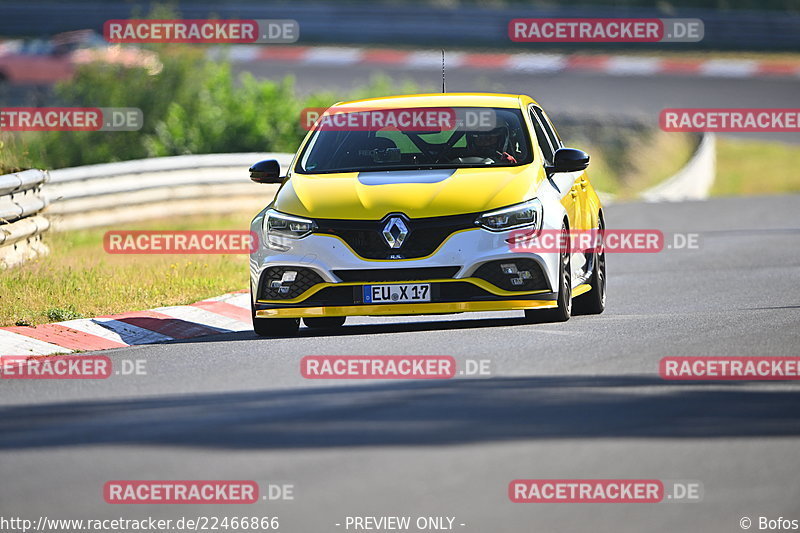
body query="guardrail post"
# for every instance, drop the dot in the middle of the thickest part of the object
(21, 221)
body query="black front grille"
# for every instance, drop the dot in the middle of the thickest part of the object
(397, 274)
(493, 272)
(329, 296)
(463, 291)
(273, 288)
(424, 237)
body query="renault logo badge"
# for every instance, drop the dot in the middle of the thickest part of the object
(395, 232)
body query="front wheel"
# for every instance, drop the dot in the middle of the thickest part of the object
(273, 327)
(594, 301)
(562, 312)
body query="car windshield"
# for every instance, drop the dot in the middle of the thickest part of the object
(416, 139)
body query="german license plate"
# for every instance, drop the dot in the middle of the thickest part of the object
(397, 293)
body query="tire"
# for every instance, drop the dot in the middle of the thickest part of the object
(564, 309)
(328, 322)
(273, 327)
(594, 301)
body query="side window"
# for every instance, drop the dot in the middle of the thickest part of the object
(545, 142)
(549, 129)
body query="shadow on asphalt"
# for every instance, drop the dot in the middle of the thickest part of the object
(375, 329)
(418, 413)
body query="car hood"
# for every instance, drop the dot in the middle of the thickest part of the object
(416, 193)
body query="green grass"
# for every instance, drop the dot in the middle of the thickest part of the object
(635, 160)
(746, 167)
(13, 157)
(79, 278)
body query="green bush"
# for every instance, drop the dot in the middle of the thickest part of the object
(59, 314)
(192, 106)
(13, 157)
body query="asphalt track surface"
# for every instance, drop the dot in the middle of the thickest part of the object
(581, 399)
(578, 93)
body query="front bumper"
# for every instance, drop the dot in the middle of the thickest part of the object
(432, 308)
(333, 285)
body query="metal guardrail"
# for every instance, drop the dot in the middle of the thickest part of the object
(693, 181)
(21, 225)
(130, 191)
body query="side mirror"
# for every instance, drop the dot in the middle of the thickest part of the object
(267, 171)
(569, 160)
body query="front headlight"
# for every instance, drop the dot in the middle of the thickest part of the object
(525, 215)
(279, 226)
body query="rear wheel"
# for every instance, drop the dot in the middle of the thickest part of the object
(328, 322)
(562, 312)
(594, 301)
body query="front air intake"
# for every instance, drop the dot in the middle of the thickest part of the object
(287, 282)
(513, 275)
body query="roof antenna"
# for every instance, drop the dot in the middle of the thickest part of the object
(443, 88)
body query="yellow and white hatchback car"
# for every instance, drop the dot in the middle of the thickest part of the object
(412, 205)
